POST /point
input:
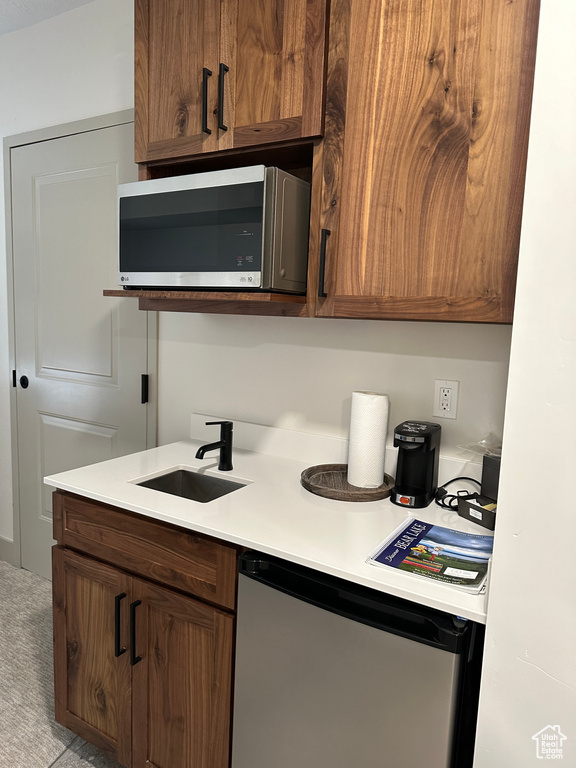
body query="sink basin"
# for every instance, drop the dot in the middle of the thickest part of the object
(192, 485)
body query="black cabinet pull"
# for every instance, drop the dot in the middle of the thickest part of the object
(133, 658)
(321, 292)
(222, 71)
(118, 648)
(24, 382)
(206, 73)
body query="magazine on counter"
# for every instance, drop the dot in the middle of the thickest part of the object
(434, 552)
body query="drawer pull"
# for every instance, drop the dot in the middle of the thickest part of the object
(133, 658)
(119, 649)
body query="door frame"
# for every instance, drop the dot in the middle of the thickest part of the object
(10, 550)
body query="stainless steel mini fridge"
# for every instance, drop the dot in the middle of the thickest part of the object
(330, 674)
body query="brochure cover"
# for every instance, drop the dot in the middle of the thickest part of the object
(434, 552)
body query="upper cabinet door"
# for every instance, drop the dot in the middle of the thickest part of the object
(213, 75)
(428, 110)
(176, 73)
(274, 86)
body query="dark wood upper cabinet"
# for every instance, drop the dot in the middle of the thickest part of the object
(224, 75)
(176, 44)
(417, 117)
(421, 178)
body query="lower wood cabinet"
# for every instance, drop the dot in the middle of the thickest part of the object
(142, 671)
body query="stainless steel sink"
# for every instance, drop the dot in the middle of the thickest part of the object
(192, 485)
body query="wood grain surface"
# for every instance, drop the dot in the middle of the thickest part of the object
(277, 75)
(437, 108)
(161, 698)
(179, 558)
(173, 43)
(273, 89)
(172, 707)
(220, 302)
(328, 160)
(92, 686)
(182, 687)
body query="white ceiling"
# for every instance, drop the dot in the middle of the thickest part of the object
(16, 14)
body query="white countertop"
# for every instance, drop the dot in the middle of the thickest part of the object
(273, 513)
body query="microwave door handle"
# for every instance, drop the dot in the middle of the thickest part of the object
(206, 73)
(222, 71)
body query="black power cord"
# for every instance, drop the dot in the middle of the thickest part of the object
(450, 500)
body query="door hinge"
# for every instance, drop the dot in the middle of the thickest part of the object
(144, 388)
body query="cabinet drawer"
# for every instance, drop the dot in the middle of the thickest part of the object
(173, 556)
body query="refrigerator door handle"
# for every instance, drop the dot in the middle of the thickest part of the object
(359, 603)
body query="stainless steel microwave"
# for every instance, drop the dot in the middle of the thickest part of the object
(244, 228)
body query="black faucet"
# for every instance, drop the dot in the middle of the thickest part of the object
(225, 445)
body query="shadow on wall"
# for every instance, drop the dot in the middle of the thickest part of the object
(464, 341)
(299, 373)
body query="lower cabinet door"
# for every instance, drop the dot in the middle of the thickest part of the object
(91, 666)
(181, 680)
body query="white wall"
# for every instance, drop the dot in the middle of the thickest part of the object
(76, 65)
(529, 680)
(299, 373)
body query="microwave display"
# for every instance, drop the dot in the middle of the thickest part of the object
(244, 228)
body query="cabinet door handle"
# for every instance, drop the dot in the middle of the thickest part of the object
(206, 73)
(222, 71)
(118, 648)
(321, 292)
(133, 658)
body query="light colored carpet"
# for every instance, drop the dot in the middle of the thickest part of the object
(29, 736)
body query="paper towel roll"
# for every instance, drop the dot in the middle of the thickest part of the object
(368, 428)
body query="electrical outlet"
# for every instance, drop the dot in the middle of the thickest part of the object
(445, 399)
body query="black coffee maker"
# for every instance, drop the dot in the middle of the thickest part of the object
(418, 444)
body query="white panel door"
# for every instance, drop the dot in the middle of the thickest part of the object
(79, 355)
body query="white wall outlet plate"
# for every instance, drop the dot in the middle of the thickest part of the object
(445, 399)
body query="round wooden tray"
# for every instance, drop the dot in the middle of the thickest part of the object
(330, 480)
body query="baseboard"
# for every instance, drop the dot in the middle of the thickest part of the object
(9, 552)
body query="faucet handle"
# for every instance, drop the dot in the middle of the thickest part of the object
(225, 426)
